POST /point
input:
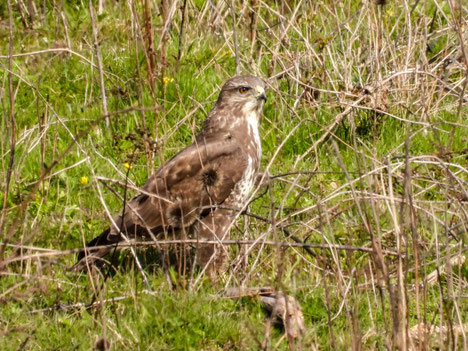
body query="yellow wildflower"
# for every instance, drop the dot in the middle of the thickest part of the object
(84, 180)
(167, 80)
(128, 165)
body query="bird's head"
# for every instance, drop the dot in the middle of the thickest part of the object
(247, 92)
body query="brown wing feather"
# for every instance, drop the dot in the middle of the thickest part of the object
(203, 174)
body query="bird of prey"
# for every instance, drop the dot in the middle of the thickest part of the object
(199, 189)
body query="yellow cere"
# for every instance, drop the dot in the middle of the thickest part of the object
(84, 180)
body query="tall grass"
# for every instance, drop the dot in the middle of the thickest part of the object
(361, 212)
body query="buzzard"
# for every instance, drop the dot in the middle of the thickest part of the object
(199, 189)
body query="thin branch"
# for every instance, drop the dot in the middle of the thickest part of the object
(234, 31)
(99, 61)
(12, 123)
(181, 33)
(159, 243)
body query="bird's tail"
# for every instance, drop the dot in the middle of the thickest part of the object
(90, 257)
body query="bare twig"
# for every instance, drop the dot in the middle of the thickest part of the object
(12, 125)
(150, 53)
(181, 33)
(99, 61)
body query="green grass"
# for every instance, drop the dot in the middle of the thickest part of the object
(163, 320)
(343, 294)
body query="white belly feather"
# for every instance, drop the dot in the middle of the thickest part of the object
(245, 185)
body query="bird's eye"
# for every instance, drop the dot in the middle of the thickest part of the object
(243, 90)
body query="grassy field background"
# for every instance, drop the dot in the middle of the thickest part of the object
(365, 148)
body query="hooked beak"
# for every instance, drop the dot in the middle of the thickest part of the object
(261, 95)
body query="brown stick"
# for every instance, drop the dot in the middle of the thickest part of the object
(158, 243)
(23, 17)
(150, 53)
(181, 33)
(12, 122)
(234, 33)
(99, 61)
(253, 23)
